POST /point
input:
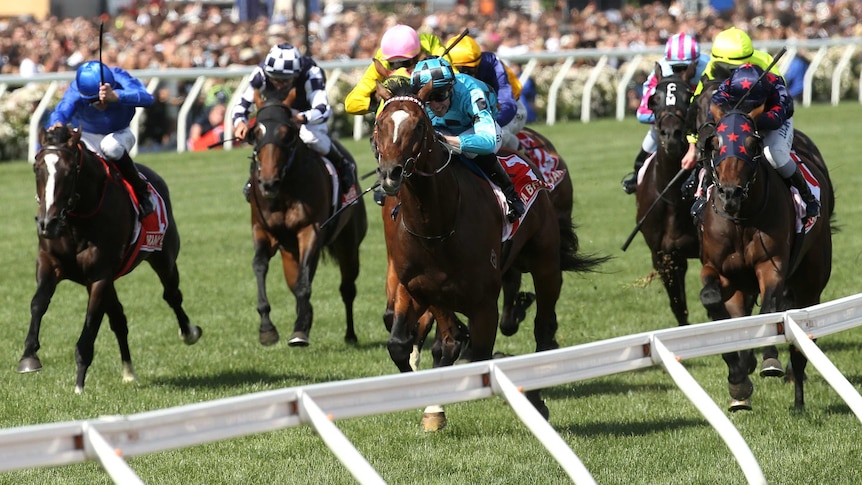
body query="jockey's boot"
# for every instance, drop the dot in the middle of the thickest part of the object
(491, 166)
(142, 190)
(700, 201)
(344, 168)
(812, 206)
(630, 182)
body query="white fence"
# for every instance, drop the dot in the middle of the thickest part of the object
(109, 439)
(563, 60)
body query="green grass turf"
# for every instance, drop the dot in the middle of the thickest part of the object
(629, 428)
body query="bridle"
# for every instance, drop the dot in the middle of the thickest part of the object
(270, 137)
(409, 166)
(77, 156)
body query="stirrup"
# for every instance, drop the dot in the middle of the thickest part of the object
(516, 210)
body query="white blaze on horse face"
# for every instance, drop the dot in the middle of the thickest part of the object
(51, 160)
(398, 117)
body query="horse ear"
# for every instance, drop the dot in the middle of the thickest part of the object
(258, 99)
(425, 91)
(381, 69)
(75, 137)
(290, 98)
(657, 71)
(717, 114)
(382, 92)
(689, 71)
(757, 111)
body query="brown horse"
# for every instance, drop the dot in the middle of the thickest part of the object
(85, 223)
(664, 220)
(292, 195)
(752, 246)
(446, 249)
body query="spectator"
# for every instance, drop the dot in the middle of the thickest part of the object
(208, 129)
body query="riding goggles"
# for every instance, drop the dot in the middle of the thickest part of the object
(440, 95)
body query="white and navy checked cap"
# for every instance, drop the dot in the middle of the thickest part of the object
(282, 61)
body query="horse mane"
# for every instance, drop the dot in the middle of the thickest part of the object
(400, 86)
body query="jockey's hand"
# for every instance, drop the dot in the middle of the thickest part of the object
(300, 119)
(107, 94)
(240, 130)
(689, 160)
(453, 141)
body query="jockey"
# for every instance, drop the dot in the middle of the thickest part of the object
(681, 50)
(283, 69)
(731, 48)
(102, 101)
(468, 58)
(400, 49)
(463, 109)
(769, 96)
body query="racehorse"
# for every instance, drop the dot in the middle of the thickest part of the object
(446, 249)
(753, 244)
(292, 195)
(88, 233)
(666, 225)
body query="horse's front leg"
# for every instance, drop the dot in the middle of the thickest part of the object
(119, 325)
(263, 252)
(404, 329)
(84, 348)
(739, 364)
(772, 291)
(712, 294)
(299, 268)
(672, 266)
(46, 284)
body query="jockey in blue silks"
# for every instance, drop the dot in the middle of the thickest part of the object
(102, 101)
(463, 110)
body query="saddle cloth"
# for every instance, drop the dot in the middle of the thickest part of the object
(547, 161)
(527, 186)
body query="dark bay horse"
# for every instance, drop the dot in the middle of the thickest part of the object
(668, 228)
(87, 234)
(446, 249)
(752, 246)
(292, 195)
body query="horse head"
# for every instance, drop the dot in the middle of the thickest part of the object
(57, 167)
(736, 149)
(403, 133)
(670, 103)
(277, 143)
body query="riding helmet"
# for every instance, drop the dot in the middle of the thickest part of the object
(435, 70)
(89, 76)
(282, 61)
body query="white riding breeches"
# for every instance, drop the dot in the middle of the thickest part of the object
(316, 137)
(776, 148)
(510, 131)
(650, 142)
(110, 146)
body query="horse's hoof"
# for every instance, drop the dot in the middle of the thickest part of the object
(351, 339)
(268, 338)
(193, 336)
(433, 421)
(739, 405)
(29, 364)
(741, 391)
(771, 367)
(298, 339)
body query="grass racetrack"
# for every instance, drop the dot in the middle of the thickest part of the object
(628, 428)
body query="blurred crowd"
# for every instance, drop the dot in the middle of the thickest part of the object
(153, 34)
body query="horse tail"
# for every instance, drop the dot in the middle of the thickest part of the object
(570, 257)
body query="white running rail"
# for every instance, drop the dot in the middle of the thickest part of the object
(109, 439)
